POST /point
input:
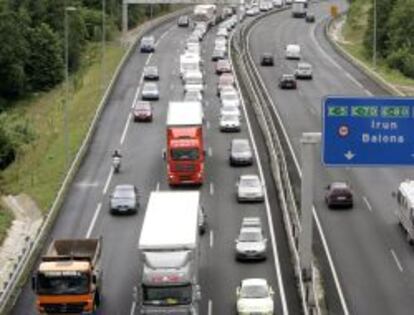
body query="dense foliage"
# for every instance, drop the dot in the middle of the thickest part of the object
(32, 36)
(395, 34)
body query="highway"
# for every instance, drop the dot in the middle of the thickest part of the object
(369, 251)
(85, 209)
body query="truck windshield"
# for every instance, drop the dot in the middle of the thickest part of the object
(62, 284)
(170, 295)
(191, 154)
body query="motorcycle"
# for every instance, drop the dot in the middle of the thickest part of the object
(116, 164)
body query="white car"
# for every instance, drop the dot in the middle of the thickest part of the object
(229, 97)
(230, 122)
(220, 41)
(230, 109)
(193, 96)
(222, 32)
(150, 91)
(303, 71)
(254, 296)
(249, 188)
(292, 51)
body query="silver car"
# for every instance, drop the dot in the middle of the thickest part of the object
(251, 243)
(229, 97)
(240, 152)
(151, 73)
(150, 91)
(125, 198)
(249, 188)
(303, 71)
(230, 122)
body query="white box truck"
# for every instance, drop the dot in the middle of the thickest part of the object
(405, 210)
(299, 8)
(169, 254)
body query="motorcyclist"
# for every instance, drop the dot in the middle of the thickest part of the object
(117, 153)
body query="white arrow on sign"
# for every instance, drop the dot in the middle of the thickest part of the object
(349, 155)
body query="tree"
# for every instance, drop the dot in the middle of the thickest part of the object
(45, 64)
(13, 56)
(383, 10)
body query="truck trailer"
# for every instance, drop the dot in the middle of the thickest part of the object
(169, 254)
(206, 13)
(68, 280)
(185, 144)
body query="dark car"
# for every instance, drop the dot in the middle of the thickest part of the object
(183, 21)
(142, 111)
(240, 152)
(310, 17)
(124, 199)
(339, 194)
(266, 60)
(287, 81)
(151, 73)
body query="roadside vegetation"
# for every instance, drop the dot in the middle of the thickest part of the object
(32, 155)
(395, 38)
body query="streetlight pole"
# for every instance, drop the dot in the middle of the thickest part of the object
(65, 106)
(374, 44)
(103, 44)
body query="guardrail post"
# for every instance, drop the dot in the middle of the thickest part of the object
(124, 17)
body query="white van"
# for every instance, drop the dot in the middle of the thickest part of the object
(292, 51)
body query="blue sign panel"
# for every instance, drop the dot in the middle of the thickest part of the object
(368, 131)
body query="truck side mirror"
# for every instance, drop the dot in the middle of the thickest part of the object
(164, 154)
(34, 283)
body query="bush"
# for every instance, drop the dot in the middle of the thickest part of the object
(403, 60)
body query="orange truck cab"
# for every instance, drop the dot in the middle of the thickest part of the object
(67, 280)
(185, 151)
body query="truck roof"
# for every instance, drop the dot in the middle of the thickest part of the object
(171, 221)
(184, 114)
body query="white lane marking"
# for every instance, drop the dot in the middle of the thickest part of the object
(268, 211)
(134, 300)
(163, 35)
(211, 188)
(367, 203)
(208, 125)
(327, 56)
(95, 216)
(207, 103)
(211, 238)
(397, 261)
(108, 180)
(210, 151)
(133, 306)
(321, 233)
(210, 307)
(125, 129)
(157, 187)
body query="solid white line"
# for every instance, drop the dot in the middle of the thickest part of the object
(108, 180)
(268, 211)
(210, 307)
(211, 238)
(95, 216)
(367, 203)
(397, 261)
(321, 233)
(211, 189)
(125, 129)
(327, 56)
(157, 188)
(210, 151)
(133, 306)
(208, 124)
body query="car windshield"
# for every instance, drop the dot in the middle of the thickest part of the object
(254, 292)
(230, 118)
(229, 97)
(60, 283)
(147, 40)
(150, 87)
(250, 236)
(249, 182)
(185, 154)
(151, 69)
(142, 107)
(123, 193)
(304, 67)
(167, 295)
(287, 77)
(193, 80)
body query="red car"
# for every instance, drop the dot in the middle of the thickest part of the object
(142, 111)
(223, 66)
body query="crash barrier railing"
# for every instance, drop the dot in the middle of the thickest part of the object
(12, 288)
(285, 175)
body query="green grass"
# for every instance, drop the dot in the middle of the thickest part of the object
(40, 167)
(353, 33)
(6, 218)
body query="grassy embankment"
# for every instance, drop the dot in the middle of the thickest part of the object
(353, 33)
(40, 167)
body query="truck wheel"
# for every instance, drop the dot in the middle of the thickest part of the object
(97, 299)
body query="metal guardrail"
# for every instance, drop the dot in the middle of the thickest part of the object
(17, 279)
(276, 143)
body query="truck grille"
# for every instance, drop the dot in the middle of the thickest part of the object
(64, 308)
(185, 167)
